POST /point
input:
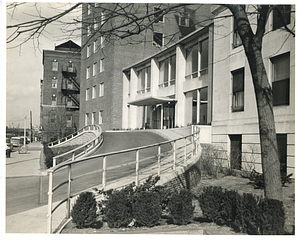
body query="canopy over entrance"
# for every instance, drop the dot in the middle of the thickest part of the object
(150, 101)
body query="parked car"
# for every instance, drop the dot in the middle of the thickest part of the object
(9, 145)
(18, 141)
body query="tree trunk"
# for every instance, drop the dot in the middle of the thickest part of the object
(264, 97)
(268, 141)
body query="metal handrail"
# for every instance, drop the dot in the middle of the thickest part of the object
(51, 171)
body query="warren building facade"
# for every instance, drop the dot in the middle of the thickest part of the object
(60, 89)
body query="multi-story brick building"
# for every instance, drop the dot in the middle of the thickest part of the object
(104, 55)
(60, 90)
(204, 78)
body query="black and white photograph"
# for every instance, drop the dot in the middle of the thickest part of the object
(144, 120)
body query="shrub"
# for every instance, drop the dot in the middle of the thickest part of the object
(210, 203)
(84, 211)
(272, 217)
(259, 182)
(147, 209)
(247, 213)
(118, 209)
(48, 155)
(181, 207)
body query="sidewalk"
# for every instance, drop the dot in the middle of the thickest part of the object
(27, 164)
(35, 220)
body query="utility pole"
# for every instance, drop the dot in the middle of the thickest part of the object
(31, 134)
(24, 131)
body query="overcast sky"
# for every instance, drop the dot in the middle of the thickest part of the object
(24, 68)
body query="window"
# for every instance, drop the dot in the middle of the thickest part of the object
(238, 90)
(204, 57)
(141, 81)
(88, 51)
(87, 94)
(95, 46)
(88, 74)
(69, 121)
(96, 23)
(167, 72)
(54, 82)
(69, 102)
(101, 89)
(184, 19)
(281, 16)
(148, 79)
(100, 117)
(94, 92)
(52, 117)
(54, 65)
(102, 41)
(89, 9)
(173, 69)
(70, 67)
(144, 80)
(103, 18)
(89, 29)
(237, 41)
(157, 39)
(93, 117)
(54, 98)
(163, 73)
(281, 79)
(158, 15)
(86, 119)
(101, 65)
(192, 62)
(94, 68)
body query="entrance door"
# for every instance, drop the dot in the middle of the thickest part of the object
(282, 151)
(156, 117)
(236, 151)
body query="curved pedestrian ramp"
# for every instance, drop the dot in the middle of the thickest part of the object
(79, 144)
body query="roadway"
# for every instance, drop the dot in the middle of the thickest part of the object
(25, 193)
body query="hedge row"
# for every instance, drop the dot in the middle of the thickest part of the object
(136, 205)
(246, 213)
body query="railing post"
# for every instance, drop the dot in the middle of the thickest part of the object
(185, 160)
(174, 155)
(137, 153)
(158, 160)
(104, 173)
(54, 161)
(68, 204)
(49, 216)
(73, 156)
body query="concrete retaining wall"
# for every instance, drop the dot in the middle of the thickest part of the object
(185, 177)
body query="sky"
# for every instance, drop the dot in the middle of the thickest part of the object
(24, 68)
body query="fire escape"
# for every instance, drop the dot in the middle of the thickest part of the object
(70, 87)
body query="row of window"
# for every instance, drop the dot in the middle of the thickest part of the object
(281, 17)
(92, 48)
(92, 93)
(93, 118)
(65, 99)
(196, 66)
(280, 83)
(53, 119)
(94, 70)
(158, 15)
(69, 68)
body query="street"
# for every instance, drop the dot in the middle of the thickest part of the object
(25, 193)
